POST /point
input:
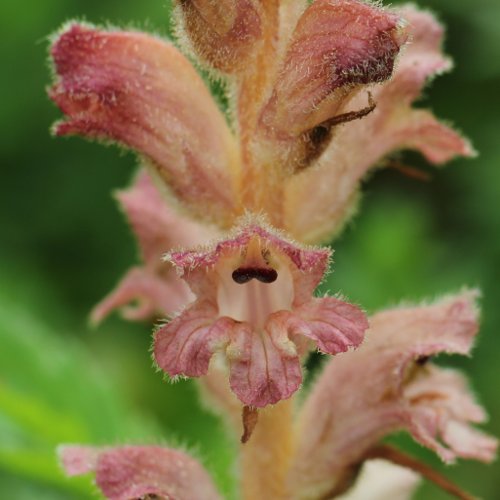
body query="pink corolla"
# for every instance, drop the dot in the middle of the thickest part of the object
(254, 300)
(387, 385)
(132, 472)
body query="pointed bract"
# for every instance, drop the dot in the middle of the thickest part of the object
(223, 34)
(335, 46)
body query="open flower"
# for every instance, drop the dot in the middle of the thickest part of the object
(388, 384)
(254, 298)
(132, 472)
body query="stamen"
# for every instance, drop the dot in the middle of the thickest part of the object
(318, 138)
(243, 275)
(351, 115)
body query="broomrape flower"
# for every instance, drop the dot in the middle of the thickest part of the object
(254, 294)
(318, 94)
(388, 384)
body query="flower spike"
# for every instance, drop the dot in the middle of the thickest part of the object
(254, 298)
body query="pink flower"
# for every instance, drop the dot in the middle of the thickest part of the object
(295, 74)
(388, 384)
(331, 187)
(153, 289)
(253, 301)
(133, 472)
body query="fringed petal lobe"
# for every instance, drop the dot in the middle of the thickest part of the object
(442, 408)
(142, 92)
(143, 294)
(186, 344)
(334, 325)
(138, 471)
(264, 367)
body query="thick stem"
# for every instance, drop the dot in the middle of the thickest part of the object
(265, 458)
(399, 458)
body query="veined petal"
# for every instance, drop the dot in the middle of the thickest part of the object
(265, 367)
(331, 185)
(336, 45)
(186, 344)
(385, 386)
(157, 224)
(442, 407)
(334, 325)
(225, 33)
(137, 471)
(142, 92)
(422, 131)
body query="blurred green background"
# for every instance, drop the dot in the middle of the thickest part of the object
(64, 244)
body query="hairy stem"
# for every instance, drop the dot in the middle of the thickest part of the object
(265, 457)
